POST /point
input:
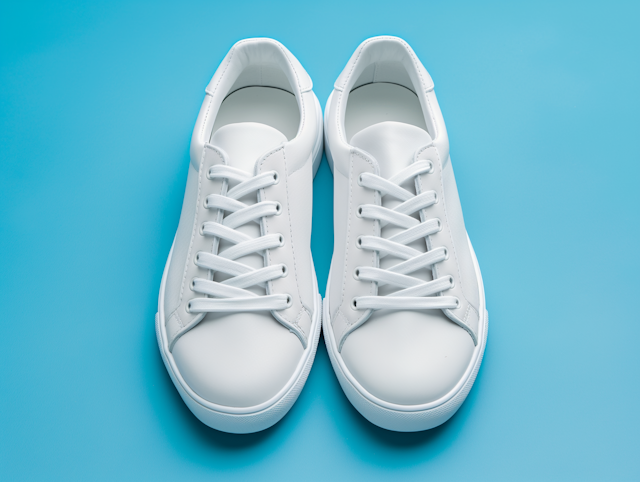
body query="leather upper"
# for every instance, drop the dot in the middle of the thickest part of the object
(243, 359)
(404, 357)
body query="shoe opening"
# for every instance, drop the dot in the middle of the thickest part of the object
(263, 90)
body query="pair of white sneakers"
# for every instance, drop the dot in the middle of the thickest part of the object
(239, 312)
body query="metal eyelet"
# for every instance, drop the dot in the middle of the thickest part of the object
(356, 273)
(354, 304)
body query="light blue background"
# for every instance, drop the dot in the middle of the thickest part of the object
(97, 104)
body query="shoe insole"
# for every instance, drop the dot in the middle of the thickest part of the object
(371, 104)
(274, 107)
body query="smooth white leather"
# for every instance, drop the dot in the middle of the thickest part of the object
(394, 354)
(240, 372)
(392, 144)
(409, 359)
(237, 360)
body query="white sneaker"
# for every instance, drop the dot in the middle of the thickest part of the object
(404, 319)
(239, 311)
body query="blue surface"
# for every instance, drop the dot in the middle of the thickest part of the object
(97, 104)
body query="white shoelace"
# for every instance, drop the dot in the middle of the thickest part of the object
(232, 295)
(412, 293)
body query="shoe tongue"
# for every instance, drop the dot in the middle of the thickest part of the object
(392, 144)
(246, 142)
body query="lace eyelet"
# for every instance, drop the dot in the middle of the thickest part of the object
(187, 308)
(278, 209)
(359, 212)
(359, 242)
(193, 284)
(356, 273)
(452, 282)
(354, 304)
(289, 301)
(457, 304)
(360, 180)
(206, 203)
(281, 239)
(436, 198)
(439, 226)
(285, 271)
(276, 178)
(430, 171)
(446, 254)
(202, 229)
(196, 259)
(209, 174)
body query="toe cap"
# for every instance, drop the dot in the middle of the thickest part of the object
(407, 357)
(237, 360)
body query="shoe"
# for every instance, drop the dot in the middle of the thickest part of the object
(404, 316)
(239, 312)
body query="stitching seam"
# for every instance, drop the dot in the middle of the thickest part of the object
(293, 249)
(193, 229)
(266, 223)
(348, 240)
(444, 208)
(346, 268)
